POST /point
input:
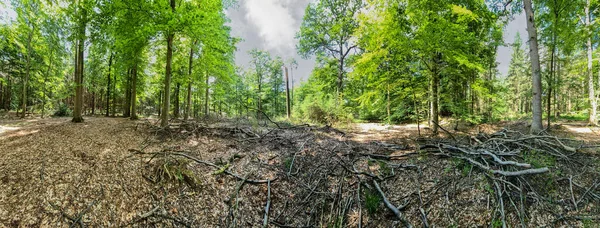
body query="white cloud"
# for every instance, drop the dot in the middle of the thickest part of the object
(275, 23)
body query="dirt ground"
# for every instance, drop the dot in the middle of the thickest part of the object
(116, 172)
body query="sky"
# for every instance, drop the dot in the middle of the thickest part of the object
(271, 25)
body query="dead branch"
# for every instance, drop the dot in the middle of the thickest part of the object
(266, 219)
(391, 206)
(506, 173)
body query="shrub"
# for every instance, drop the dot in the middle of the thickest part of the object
(63, 110)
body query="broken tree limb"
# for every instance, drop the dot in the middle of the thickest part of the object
(391, 206)
(502, 162)
(506, 173)
(266, 219)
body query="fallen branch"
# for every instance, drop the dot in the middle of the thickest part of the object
(506, 173)
(266, 219)
(393, 208)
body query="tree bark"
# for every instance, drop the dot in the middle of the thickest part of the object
(287, 94)
(24, 97)
(389, 119)
(164, 120)
(176, 108)
(434, 101)
(206, 111)
(46, 82)
(108, 85)
(188, 106)
(133, 102)
(259, 98)
(77, 117)
(114, 96)
(127, 103)
(590, 78)
(536, 123)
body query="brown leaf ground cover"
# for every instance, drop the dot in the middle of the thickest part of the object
(114, 172)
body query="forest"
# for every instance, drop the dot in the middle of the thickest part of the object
(136, 113)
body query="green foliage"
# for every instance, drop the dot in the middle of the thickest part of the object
(372, 201)
(63, 110)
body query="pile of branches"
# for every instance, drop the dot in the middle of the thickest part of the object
(501, 153)
(501, 157)
(326, 176)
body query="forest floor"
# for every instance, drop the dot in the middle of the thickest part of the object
(116, 172)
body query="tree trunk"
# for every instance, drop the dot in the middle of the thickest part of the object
(389, 119)
(77, 117)
(108, 85)
(590, 78)
(434, 101)
(259, 103)
(206, 111)
(8, 93)
(287, 94)
(46, 82)
(133, 95)
(166, 99)
(176, 95)
(28, 71)
(536, 124)
(114, 96)
(127, 103)
(188, 106)
(550, 85)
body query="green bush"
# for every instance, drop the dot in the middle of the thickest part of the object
(63, 110)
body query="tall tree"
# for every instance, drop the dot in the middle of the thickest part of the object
(328, 28)
(536, 122)
(590, 78)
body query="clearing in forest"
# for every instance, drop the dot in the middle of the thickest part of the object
(116, 172)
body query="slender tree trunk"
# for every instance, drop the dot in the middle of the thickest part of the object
(550, 85)
(133, 96)
(434, 101)
(166, 99)
(77, 117)
(188, 106)
(93, 103)
(287, 94)
(206, 111)
(28, 70)
(160, 102)
(45, 83)
(108, 85)
(340, 77)
(127, 103)
(389, 119)
(591, 96)
(114, 96)
(536, 124)
(176, 107)
(8, 93)
(259, 99)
